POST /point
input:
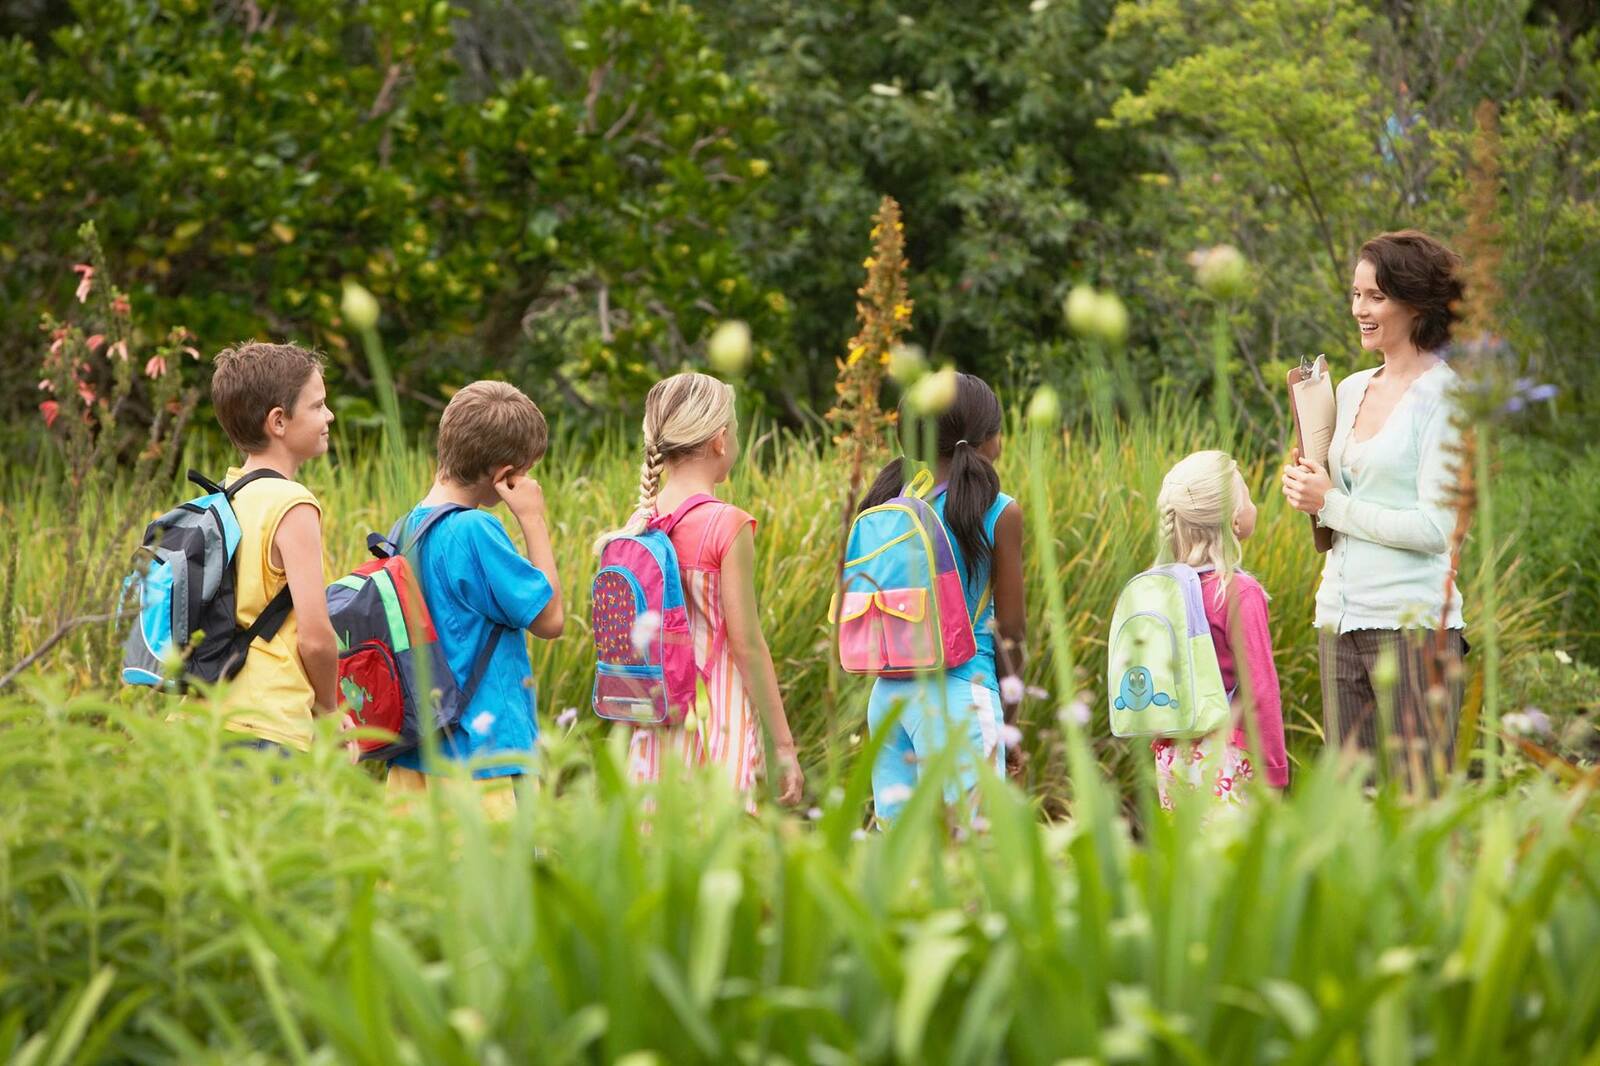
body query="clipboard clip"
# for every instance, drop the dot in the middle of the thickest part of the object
(1311, 367)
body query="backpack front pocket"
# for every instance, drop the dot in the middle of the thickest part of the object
(627, 693)
(371, 693)
(1146, 679)
(887, 630)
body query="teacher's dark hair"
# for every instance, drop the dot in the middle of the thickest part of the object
(972, 419)
(1423, 274)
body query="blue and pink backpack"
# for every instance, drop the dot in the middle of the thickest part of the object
(645, 673)
(381, 620)
(900, 609)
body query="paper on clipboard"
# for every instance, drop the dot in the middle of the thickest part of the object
(1311, 401)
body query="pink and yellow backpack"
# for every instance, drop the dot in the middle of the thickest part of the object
(900, 609)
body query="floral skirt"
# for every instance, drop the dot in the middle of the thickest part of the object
(1189, 767)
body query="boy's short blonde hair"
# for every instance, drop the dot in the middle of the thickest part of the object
(487, 425)
(250, 379)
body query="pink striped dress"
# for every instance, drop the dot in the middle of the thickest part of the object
(728, 734)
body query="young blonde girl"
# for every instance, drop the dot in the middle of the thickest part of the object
(1206, 513)
(690, 444)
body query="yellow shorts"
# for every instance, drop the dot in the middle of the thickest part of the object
(496, 795)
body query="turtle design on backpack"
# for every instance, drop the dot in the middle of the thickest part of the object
(1162, 672)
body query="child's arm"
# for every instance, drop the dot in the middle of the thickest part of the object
(1010, 615)
(751, 655)
(1010, 610)
(525, 499)
(1251, 639)
(298, 542)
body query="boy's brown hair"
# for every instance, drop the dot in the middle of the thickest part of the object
(487, 425)
(248, 380)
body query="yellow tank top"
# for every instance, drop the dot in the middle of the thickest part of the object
(271, 697)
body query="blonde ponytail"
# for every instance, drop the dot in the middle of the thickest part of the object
(681, 414)
(1198, 502)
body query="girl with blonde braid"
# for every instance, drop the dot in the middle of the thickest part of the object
(1206, 512)
(690, 444)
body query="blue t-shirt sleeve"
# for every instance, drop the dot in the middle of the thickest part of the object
(489, 575)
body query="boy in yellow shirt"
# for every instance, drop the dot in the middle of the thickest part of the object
(271, 402)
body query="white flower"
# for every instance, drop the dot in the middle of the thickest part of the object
(815, 814)
(859, 834)
(1012, 689)
(1221, 271)
(934, 393)
(1563, 658)
(980, 824)
(645, 628)
(880, 89)
(729, 347)
(1038, 6)
(895, 794)
(1036, 693)
(483, 723)
(1528, 722)
(1010, 736)
(1077, 711)
(1044, 410)
(359, 306)
(567, 718)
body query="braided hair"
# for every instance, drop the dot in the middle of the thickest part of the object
(681, 414)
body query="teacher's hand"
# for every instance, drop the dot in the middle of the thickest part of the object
(1306, 484)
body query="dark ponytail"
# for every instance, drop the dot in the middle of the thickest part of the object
(972, 484)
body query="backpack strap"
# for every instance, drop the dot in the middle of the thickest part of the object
(266, 626)
(666, 523)
(276, 612)
(398, 543)
(480, 665)
(232, 490)
(920, 485)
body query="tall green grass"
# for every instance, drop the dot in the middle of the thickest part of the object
(209, 908)
(1100, 492)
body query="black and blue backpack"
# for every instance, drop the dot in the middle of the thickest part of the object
(185, 629)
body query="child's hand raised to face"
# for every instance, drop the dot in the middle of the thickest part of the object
(521, 493)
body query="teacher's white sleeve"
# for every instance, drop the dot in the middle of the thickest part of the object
(1424, 528)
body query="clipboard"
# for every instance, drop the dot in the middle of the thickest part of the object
(1311, 386)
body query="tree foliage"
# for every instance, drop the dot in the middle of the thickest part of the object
(566, 217)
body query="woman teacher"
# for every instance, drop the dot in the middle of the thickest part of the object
(1387, 584)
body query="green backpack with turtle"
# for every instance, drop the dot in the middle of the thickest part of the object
(1162, 675)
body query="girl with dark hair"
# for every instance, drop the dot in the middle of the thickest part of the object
(985, 527)
(1385, 496)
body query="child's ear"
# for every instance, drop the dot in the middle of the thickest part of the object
(276, 422)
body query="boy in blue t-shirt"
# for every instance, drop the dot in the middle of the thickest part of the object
(479, 588)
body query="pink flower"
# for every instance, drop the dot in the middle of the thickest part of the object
(47, 385)
(119, 306)
(87, 281)
(56, 338)
(156, 367)
(49, 409)
(189, 351)
(119, 349)
(95, 341)
(86, 393)
(1011, 689)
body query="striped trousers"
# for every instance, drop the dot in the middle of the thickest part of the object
(1396, 694)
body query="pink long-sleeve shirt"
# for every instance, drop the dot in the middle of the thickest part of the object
(1255, 637)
